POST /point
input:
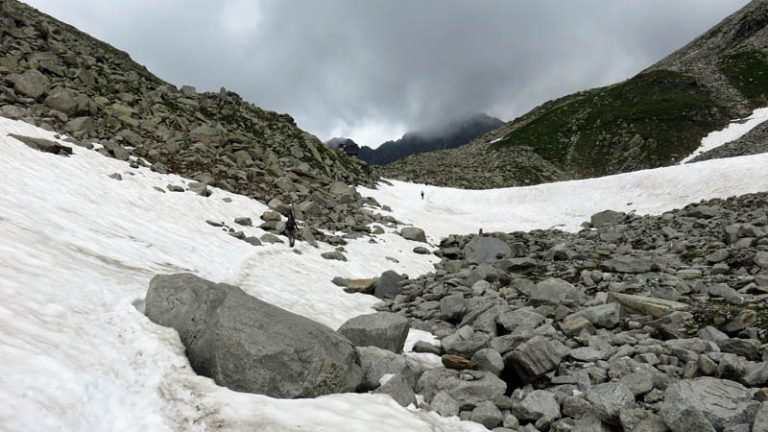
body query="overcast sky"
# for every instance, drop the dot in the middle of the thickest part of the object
(373, 69)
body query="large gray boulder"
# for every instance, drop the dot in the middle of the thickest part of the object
(536, 357)
(707, 403)
(485, 249)
(31, 83)
(413, 233)
(606, 218)
(248, 345)
(385, 330)
(387, 285)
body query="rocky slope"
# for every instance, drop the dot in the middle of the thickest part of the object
(653, 119)
(654, 323)
(448, 136)
(57, 77)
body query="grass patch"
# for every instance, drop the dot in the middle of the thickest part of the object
(651, 120)
(748, 72)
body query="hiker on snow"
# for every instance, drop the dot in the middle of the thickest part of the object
(422, 194)
(290, 227)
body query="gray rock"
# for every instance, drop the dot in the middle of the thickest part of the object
(535, 405)
(31, 83)
(640, 420)
(485, 250)
(199, 188)
(489, 360)
(375, 363)
(727, 293)
(271, 238)
(556, 291)
(387, 285)
(62, 100)
(465, 342)
(382, 329)
(413, 233)
(587, 354)
(245, 221)
(486, 414)
(747, 348)
(334, 255)
(761, 419)
(603, 316)
(520, 320)
(43, 145)
(451, 307)
(426, 347)
(650, 306)
(606, 218)
(712, 334)
(702, 212)
(689, 419)
(609, 399)
(397, 387)
(590, 423)
(468, 391)
(444, 405)
(254, 241)
(720, 402)
(80, 125)
(535, 357)
(628, 264)
(421, 250)
(251, 346)
(761, 259)
(756, 374)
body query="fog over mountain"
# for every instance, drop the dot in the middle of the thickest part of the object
(373, 70)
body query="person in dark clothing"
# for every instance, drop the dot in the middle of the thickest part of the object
(290, 228)
(422, 194)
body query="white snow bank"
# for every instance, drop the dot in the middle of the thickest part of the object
(77, 250)
(566, 205)
(732, 132)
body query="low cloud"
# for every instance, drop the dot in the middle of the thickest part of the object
(373, 69)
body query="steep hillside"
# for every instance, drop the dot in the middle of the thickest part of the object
(653, 119)
(448, 136)
(57, 77)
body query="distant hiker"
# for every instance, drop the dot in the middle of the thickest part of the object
(290, 227)
(422, 194)
(481, 232)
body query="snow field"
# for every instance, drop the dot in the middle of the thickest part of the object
(77, 252)
(566, 205)
(732, 132)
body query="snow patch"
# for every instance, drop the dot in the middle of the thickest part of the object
(730, 133)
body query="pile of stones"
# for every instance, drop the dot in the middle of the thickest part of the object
(635, 323)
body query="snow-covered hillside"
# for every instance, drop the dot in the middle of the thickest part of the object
(566, 205)
(78, 248)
